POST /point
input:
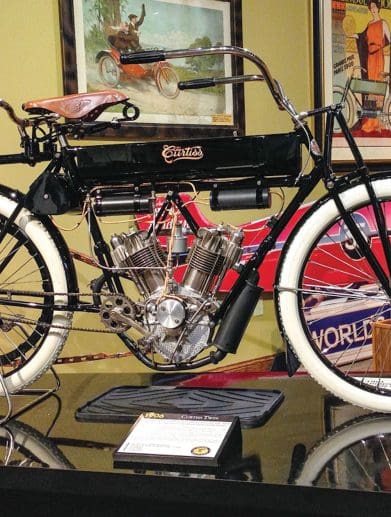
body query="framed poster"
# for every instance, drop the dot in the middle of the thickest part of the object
(94, 33)
(352, 61)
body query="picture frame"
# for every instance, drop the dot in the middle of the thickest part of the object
(88, 32)
(340, 48)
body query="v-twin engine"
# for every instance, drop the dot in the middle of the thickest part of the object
(176, 310)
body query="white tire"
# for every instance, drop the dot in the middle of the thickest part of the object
(344, 283)
(344, 441)
(33, 263)
(26, 447)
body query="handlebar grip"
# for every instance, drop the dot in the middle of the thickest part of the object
(137, 58)
(13, 158)
(196, 83)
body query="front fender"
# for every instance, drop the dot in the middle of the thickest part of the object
(54, 233)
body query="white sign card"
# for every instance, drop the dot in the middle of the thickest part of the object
(178, 439)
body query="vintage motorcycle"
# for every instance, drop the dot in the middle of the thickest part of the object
(112, 71)
(333, 278)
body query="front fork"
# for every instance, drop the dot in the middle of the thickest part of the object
(363, 244)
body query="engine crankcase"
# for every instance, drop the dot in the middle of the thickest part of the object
(180, 327)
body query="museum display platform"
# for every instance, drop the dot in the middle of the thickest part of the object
(312, 455)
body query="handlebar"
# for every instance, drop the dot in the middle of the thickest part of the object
(213, 81)
(162, 55)
(146, 56)
(21, 122)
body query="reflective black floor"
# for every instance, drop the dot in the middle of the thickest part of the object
(311, 440)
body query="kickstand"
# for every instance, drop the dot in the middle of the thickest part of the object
(38, 394)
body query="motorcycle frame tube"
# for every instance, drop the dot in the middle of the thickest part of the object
(103, 253)
(379, 216)
(306, 186)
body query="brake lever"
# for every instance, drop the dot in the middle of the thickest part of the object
(286, 102)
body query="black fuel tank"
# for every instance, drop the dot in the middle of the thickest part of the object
(261, 156)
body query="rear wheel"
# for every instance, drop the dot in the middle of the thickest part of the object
(387, 112)
(329, 297)
(109, 72)
(23, 446)
(31, 272)
(348, 109)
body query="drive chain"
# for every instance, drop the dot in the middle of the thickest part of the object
(72, 359)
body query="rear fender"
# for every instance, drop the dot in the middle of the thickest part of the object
(54, 233)
(103, 53)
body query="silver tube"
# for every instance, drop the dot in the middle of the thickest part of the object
(235, 51)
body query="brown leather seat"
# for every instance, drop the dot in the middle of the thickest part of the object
(85, 106)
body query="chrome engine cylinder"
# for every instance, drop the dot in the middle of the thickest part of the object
(137, 250)
(211, 255)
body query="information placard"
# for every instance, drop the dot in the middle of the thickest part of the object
(180, 439)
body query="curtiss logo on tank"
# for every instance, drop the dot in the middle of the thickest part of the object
(173, 153)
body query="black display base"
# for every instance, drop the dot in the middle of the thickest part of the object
(53, 465)
(124, 404)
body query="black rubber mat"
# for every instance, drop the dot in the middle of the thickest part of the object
(125, 403)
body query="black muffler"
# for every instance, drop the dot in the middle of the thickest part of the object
(235, 322)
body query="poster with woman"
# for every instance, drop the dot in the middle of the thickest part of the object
(356, 64)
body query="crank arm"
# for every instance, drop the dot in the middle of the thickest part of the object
(133, 324)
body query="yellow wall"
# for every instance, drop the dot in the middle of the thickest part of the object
(280, 32)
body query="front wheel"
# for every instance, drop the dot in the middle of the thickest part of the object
(353, 456)
(328, 298)
(167, 81)
(32, 279)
